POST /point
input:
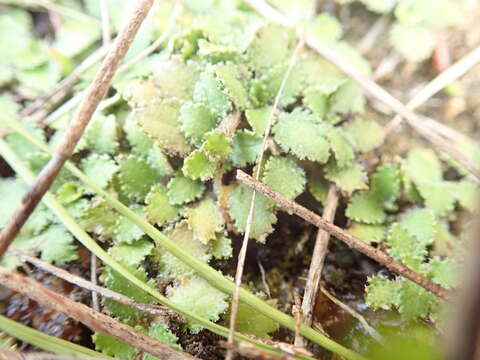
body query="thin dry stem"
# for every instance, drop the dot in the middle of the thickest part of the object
(373, 253)
(298, 315)
(318, 257)
(372, 88)
(93, 279)
(42, 114)
(17, 355)
(243, 250)
(85, 284)
(373, 333)
(370, 38)
(62, 10)
(93, 96)
(106, 28)
(437, 84)
(96, 321)
(156, 44)
(52, 98)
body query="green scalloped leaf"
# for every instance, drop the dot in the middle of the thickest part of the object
(101, 135)
(285, 176)
(11, 192)
(198, 166)
(215, 53)
(125, 230)
(318, 186)
(258, 119)
(99, 218)
(196, 120)
(181, 189)
(208, 90)
(341, 147)
(440, 197)
(131, 254)
(201, 298)
(386, 185)
(348, 179)
(467, 194)
(21, 146)
(182, 236)
(160, 121)
(272, 44)
(299, 133)
(367, 232)
(263, 214)
(175, 78)
(321, 74)
(273, 78)
(251, 321)
(347, 99)
(69, 192)
(366, 135)
(317, 100)
(140, 142)
(56, 245)
(116, 282)
(217, 144)
(415, 301)
(421, 224)
(162, 333)
(205, 219)
(221, 247)
(100, 169)
(382, 293)
(405, 247)
(112, 347)
(444, 272)
(158, 160)
(158, 208)
(246, 147)
(234, 79)
(326, 27)
(423, 165)
(415, 43)
(136, 177)
(365, 207)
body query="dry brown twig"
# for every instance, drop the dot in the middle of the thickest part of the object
(318, 257)
(106, 29)
(17, 355)
(53, 97)
(371, 88)
(243, 250)
(56, 95)
(85, 284)
(96, 321)
(93, 96)
(62, 10)
(93, 279)
(448, 76)
(373, 253)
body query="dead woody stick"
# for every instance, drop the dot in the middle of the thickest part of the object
(93, 96)
(96, 321)
(357, 244)
(316, 265)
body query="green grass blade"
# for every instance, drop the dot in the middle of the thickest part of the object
(215, 278)
(45, 342)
